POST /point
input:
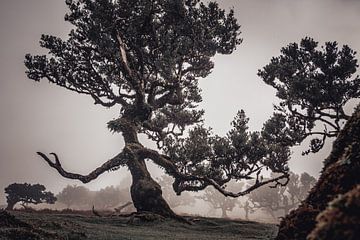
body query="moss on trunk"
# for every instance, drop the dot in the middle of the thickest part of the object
(339, 175)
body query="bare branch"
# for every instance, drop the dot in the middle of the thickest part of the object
(123, 54)
(135, 81)
(248, 190)
(117, 161)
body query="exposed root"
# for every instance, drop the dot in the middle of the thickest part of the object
(122, 207)
(96, 213)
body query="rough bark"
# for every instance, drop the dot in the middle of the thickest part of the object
(339, 175)
(146, 194)
(340, 220)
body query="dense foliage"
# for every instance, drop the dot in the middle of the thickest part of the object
(314, 85)
(26, 193)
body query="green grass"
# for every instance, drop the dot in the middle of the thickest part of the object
(76, 226)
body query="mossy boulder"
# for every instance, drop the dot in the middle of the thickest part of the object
(340, 220)
(340, 175)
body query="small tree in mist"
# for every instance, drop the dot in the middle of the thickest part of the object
(282, 199)
(25, 193)
(73, 195)
(110, 197)
(105, 198)
(298, 187)
(313, 85)
(247, 209)
(147, 57)
(216, 200)
(185, 199)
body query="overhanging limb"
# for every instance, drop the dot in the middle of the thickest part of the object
(116, 161)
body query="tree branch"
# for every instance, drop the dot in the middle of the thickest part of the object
(170, 167)
(248, 190)
(139, 89)
(117, 161)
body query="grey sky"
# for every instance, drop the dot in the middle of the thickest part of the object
(40, 116)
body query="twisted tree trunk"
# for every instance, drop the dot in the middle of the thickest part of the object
(10, 205)
(146, 194)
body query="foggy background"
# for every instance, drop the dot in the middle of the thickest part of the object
(44, 117)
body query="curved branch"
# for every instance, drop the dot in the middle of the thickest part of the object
(161, 160)
(248, 190)
(166, 162)
(115, 162)
(319, 118)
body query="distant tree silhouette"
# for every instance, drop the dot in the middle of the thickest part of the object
(247, 208)
(285, 198)
(25, 193)
(269, 200)
(313, 85)
(219, 201)
(298, 187)
(170, 196)
(110, 197)
(105, 198)
(147, 57)
(73, 195)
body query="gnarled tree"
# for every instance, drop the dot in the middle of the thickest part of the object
(313, 86)
(273, 200)
(219, 201)
(146, 57)
(25, 193)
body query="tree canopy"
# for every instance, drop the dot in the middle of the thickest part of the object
(313, 85)
(26, 193)
(73, 195)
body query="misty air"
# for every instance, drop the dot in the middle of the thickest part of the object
(180, 119)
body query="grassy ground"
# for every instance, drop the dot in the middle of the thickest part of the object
(79, 226)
